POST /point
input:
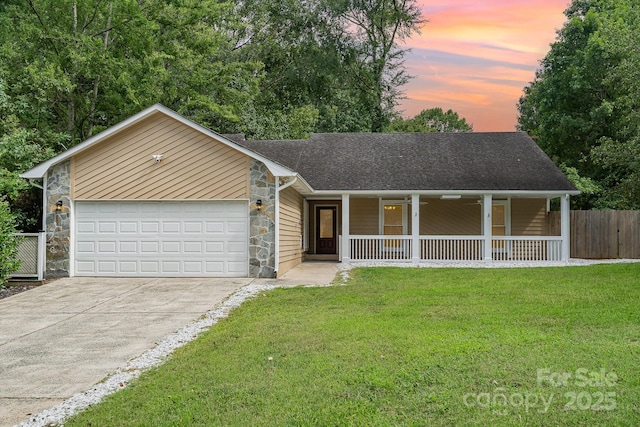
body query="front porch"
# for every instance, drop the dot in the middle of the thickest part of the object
(418, 228)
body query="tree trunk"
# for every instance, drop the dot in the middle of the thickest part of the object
(96, 82)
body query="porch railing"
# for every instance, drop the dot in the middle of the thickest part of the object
(451, 248)
(455, 248)
(380, 248)
(526, 248)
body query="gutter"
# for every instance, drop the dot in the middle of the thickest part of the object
(279, 188)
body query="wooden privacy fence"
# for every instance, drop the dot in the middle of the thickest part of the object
(601, 234)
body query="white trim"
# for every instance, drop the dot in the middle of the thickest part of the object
(42, 254)
(345, 250)
(565, 230)
(305, 226)
(45, 200)
(486, 226)
(72, 237)
(40, 170)
(439, 193)
(161, 200)
(415, 228)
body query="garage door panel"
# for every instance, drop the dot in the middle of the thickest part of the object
(193, 267)
(85, 267)
(86, 227)
(152, 267)
(170, 227)
(170, 247)
(149, 248)
(171, 267)
(105, 247)
(236, 227)
(215, 227)
(215, 267)
(147, 227)
(179, 238)
(235, 247)
(127, 267)
(128, 247)
(193, 247)
(107, 208)
(86, 248)
(236, 267)
(214, 247)
(153, 208)
(107, 267)
(106, 227)
(192, 227)
(128, 227)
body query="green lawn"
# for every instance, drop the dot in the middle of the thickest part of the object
(403, 346)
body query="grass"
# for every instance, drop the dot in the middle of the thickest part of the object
(410, 347)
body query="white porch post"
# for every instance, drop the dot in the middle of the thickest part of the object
(564, 227)
(346, 245)
(487, 225)
(415, 228)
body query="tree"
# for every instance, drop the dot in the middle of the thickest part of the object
(619, 153)
(582, 106)
(431, 120)
(82, 65)
(20, 149)
(373, 31)
(71, 62)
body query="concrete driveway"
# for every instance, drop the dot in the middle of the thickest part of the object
(64, 337)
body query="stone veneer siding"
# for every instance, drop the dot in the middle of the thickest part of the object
(262, 228)
(58, 222)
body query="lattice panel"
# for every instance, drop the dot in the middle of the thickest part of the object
(28, 255)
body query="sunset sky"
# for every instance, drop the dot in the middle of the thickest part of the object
(476, 56)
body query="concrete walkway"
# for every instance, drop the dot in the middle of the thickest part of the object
(62, 338)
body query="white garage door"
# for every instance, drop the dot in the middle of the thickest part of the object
(163, 239)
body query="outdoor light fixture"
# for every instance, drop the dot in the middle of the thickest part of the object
(259, 204)
(59, 205)
(450, 196)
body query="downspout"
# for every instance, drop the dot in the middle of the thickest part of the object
(277, 220)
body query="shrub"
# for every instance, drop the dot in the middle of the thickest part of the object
(8, 243)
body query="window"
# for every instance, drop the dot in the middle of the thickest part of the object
(500, 224)
(393, 217)
(499, 220)
(393, 222)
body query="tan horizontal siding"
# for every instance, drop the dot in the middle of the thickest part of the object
(528, 217)
(291, 252)
(363, 216)
(194, 166)
(450, 217)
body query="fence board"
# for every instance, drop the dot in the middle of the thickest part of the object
(601, 234)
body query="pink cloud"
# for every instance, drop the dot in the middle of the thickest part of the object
(476, 57)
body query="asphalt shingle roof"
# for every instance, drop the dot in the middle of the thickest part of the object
(417, 161)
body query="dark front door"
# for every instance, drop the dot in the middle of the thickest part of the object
(326, 230)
